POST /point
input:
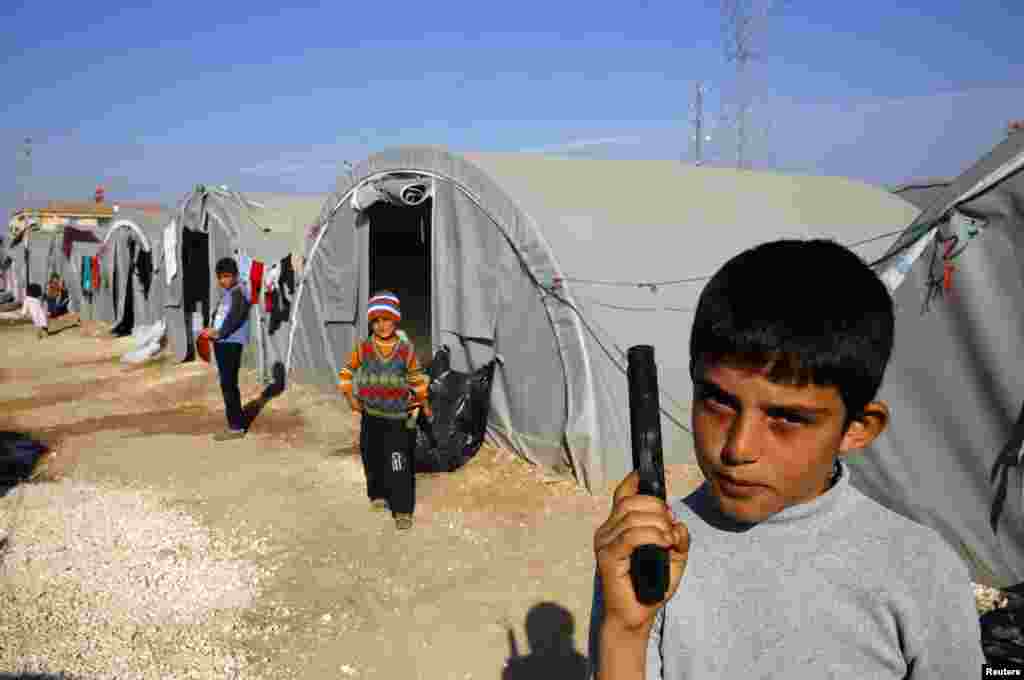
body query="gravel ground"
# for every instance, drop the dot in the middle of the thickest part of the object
(109, 583)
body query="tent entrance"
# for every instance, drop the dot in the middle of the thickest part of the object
(399, 261)
(125, 295)
(195, 277)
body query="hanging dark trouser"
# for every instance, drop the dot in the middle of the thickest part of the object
(229, 361)
(384, 446)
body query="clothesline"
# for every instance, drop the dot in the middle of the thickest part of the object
(654, 285)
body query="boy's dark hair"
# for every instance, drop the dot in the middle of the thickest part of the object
(813, 310)
(34, 290)
(227, 265)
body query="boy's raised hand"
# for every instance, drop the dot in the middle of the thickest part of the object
(636, 520)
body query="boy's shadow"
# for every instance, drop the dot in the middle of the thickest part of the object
(550, 630)
(252, 410)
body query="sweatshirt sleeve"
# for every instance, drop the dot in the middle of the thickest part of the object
(346, 374)
(950, 644)
(419, 382)
(238, 315)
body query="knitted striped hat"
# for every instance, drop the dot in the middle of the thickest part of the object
(384, 305)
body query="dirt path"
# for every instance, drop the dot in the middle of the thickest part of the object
(333, 590)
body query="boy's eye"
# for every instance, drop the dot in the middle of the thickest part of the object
(715, 402)
(792, 418)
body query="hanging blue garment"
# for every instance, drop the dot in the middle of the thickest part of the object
(86, 274)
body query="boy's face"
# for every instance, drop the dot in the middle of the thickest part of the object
(383, 328)
(226, 280)
(763, 446)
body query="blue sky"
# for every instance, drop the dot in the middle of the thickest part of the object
(150, 101)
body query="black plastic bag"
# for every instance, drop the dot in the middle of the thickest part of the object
(461, 403)
(1002, 630)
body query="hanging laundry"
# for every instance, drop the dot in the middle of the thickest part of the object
(948, 268)
(280, 311)
(86, 274)
(287, 277)
(255, 279)
(72, 235)
(244, 267)
(270, 285)
(171, 251)
(271, 277)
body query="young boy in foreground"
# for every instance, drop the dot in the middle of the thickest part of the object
(780, 568)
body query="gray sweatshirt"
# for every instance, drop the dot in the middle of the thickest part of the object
(839, 587)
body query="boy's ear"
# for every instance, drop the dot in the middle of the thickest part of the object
(865, 429)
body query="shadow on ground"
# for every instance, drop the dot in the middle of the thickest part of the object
(252, 410)
(19, 456)
(550, 630)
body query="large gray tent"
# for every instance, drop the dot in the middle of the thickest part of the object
(70, 269)
(951, 458)
(132, 262)
(43, 250)
(558, 266)
(17, 251)
(36, 254)
(215, 222)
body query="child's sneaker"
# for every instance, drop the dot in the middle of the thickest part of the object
(403, 522)
(379, 504)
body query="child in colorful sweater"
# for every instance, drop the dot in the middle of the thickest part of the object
(384, 381)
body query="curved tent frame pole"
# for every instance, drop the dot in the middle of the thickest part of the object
(119, 224)
(586, 411)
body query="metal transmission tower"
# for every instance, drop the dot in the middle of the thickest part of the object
(700, 125)
(743, 27)
(699, 136)
(23, 168)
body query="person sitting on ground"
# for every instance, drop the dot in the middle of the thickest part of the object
(779, 566)
(230, 333)
(32, 308)
(56, 298)
(383, 381)
(56, 302)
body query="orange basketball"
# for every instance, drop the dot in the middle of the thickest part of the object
(203, 347)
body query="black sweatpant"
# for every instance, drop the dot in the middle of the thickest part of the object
(384, 446)
(229, 361)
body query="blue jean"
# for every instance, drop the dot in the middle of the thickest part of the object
(229, 361)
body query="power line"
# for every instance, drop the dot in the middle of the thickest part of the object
(654, 285)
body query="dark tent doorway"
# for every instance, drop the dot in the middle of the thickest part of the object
(195, 277)
(125, 295)
(399, 261)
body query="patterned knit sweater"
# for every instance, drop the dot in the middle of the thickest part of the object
(380, 374)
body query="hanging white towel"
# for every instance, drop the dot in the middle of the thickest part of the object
(171, 251)
(244, 268)
(271, 277)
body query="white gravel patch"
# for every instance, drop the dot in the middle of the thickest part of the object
(105, 583)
